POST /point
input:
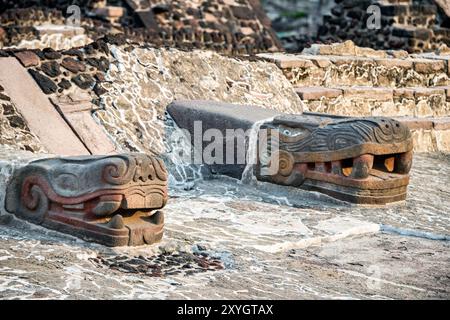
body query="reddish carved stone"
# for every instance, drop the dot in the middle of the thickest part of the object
(360, 160)
(106, 199)
(27, 58)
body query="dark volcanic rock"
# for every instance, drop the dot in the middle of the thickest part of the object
(73, 65)
(45, 83)
(100, 77)
(74, 52)
(51, 54)
(116, 39)
(101, 64)
(242, 12)
(17, 122)
(51, 68)
(84, 81)
(99, 90)
(8, 110)
(64, 84)
(4, 97)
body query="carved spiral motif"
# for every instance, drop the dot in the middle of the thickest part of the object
(119, 171)
(35, 203)
(285, 162)
(389, 130)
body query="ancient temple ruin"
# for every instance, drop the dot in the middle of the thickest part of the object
(116, 165)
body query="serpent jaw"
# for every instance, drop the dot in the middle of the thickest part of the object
(360, 160)
(112, 200)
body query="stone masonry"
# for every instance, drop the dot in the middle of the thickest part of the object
(411, 25)
(231, 27)
(345, 79)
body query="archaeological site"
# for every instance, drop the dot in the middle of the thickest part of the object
(224, 149)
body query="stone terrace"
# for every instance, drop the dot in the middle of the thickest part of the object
(231, 27)
(344, 79)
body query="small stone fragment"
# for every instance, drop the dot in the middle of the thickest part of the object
(64, 84)
(73, 65)
(45, 83)
(51, 69)
(84, 81)
(51, 54)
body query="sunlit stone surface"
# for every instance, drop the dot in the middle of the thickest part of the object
(224, 239)
(145, 81)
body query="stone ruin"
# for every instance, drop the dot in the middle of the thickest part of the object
(231, 27)
(87, 113)
(411, 25)
(111, 94)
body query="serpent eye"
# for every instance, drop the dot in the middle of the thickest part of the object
(287, 132)
(67, 181)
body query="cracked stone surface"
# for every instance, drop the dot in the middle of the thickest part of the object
(224, 239)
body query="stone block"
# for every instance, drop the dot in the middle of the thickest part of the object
(443, 140)
(287, 61)
(416, 123)
(428, 66)
(375, 93)
(370, 53)
(441, 123)
(427, 92)
(27, 58)
(395, 63)
(404, 93)
(317, 93)
(423, 109)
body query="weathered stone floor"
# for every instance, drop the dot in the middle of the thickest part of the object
(232, 241)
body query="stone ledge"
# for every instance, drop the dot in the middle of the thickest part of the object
(316, 93)
(429, 65)
(375, 93)
(442, 123)
(378, 93)
(286, 61)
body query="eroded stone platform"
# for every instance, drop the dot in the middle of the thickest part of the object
(280, 245)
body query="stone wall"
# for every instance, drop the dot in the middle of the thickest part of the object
(412, 25)
(14, 131)
(130, 85)
(231, 27)
(345, 79)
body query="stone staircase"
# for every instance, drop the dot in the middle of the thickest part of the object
(344, 79)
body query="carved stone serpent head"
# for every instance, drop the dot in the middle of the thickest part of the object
(109, 199)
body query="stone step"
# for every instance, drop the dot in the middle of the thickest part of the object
(413, 32)
(333, 67)
(429, 134)
(377, 101)
(439, 123)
